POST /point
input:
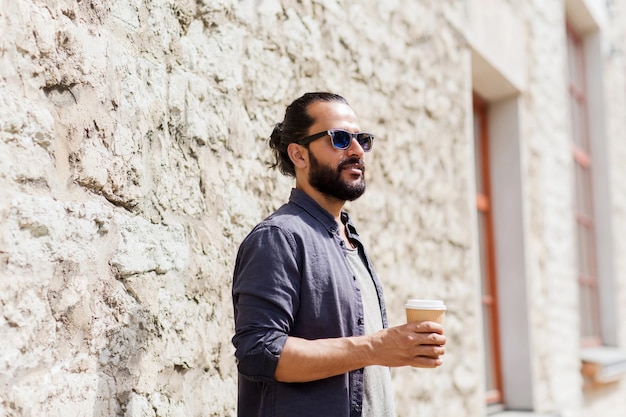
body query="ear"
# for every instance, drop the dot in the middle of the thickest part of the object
(298, 155)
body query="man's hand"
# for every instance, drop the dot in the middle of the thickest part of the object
(412, 344)
(415, 344)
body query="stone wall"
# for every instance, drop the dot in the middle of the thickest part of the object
(549, 195)
(134, 158)
(550, 202)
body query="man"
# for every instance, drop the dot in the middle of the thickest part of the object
(311, 333)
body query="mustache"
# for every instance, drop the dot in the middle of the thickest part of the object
(352, 161)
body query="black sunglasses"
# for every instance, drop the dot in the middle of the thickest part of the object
(342, 139)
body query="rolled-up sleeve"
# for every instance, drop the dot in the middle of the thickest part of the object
(266, 288)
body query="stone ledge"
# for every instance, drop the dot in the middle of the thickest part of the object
(603, 364)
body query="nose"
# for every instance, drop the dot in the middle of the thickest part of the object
(355, 148)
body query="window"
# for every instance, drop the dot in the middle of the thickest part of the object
(591, 332)
(493, 380)
(602, 361)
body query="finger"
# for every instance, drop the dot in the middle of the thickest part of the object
(427, 327)
(431, 326)
(429, 351)
(430, 339)
(426, 362)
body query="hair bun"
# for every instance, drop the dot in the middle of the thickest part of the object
(276, 136)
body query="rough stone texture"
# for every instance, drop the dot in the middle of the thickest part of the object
(552, 278)
(133, 160)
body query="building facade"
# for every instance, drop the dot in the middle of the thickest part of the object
(134, 159)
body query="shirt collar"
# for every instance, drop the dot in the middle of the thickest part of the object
(311, 206)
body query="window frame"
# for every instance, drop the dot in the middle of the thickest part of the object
(489, 298)
(586, 242)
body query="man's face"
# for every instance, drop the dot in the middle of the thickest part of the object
(334, 172)
(329, 180)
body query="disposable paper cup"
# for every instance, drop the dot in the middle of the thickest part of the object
(425, 310)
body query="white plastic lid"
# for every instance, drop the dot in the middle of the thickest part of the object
(425, 304)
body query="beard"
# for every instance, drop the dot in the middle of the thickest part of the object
(328, 181)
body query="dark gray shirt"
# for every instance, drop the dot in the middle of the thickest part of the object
(292, 278)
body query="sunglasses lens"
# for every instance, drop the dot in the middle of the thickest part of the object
(341, 139)
(365, 140)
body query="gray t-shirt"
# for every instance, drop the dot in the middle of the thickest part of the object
(378, 400)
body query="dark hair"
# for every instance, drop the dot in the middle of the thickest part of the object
(294, 127)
